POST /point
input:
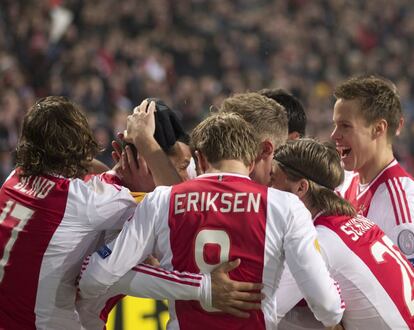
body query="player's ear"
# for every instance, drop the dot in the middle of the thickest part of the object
(400, 126)
(293, 136)
(201, 161)
(379, 128)
(302, 187)
(266, 150)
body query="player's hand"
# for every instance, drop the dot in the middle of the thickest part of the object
(234, 297)
(133, 171)
(152, 261)
(141, 124)
(117, 148)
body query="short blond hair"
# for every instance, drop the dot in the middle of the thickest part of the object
(267, 116)
(225, 136)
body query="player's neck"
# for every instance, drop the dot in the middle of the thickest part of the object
(228, 166)
(372, 168)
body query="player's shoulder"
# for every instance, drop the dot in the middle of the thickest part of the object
(283, 201)
(159, 193)
(401, 187)
(97, 183)
(348, 182)
(96, 191)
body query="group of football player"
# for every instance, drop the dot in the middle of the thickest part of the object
(243, 223)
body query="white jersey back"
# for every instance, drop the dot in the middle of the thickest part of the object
(48, 225)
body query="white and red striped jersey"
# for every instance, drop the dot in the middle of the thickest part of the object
(196, 225)
(376, 280)
(48, 224)
(389, 201)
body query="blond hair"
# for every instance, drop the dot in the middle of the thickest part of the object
(267, 116)
(320, 164)
(225, 136)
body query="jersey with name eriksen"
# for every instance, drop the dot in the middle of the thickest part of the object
(197, 225)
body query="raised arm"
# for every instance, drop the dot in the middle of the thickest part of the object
(140, 132)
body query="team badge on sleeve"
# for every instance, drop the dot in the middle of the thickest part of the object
(104, 251)
(406, 241)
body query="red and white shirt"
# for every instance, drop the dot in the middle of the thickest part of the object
(376, 280)
(48, 224)
(388, 200)
(196, 225)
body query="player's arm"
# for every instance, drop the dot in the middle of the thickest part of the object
(309, 269)
(288, 293)
(140, 132)
(392, 208)
(108, 204)
(214, 290)
(134, 243)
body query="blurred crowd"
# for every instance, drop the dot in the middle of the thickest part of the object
(108, 55)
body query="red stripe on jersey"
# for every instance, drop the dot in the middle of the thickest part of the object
(108, 307)
(107, 177)
(165, 277)
(404, 194)
(394, 206)
(223, 210)
(169, 273)
(360, 237)
(399, 200)
(362, 202)
(18, 288)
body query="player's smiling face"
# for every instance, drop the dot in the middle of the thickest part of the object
(352, 135)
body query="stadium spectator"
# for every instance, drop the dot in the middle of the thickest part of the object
(376, 280)
(367, 117)
(213, 212)
(195, 53)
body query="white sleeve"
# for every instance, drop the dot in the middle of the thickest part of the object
(308, 268)
(288, 293)
(153, 282)
(135, 242)
(108, 205)
(146, 282)
(392, 209)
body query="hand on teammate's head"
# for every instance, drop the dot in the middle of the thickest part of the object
(141, 124)
(131, 167)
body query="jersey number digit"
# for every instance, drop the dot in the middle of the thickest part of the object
(378, 251)
(13, 215)
(218, 238)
